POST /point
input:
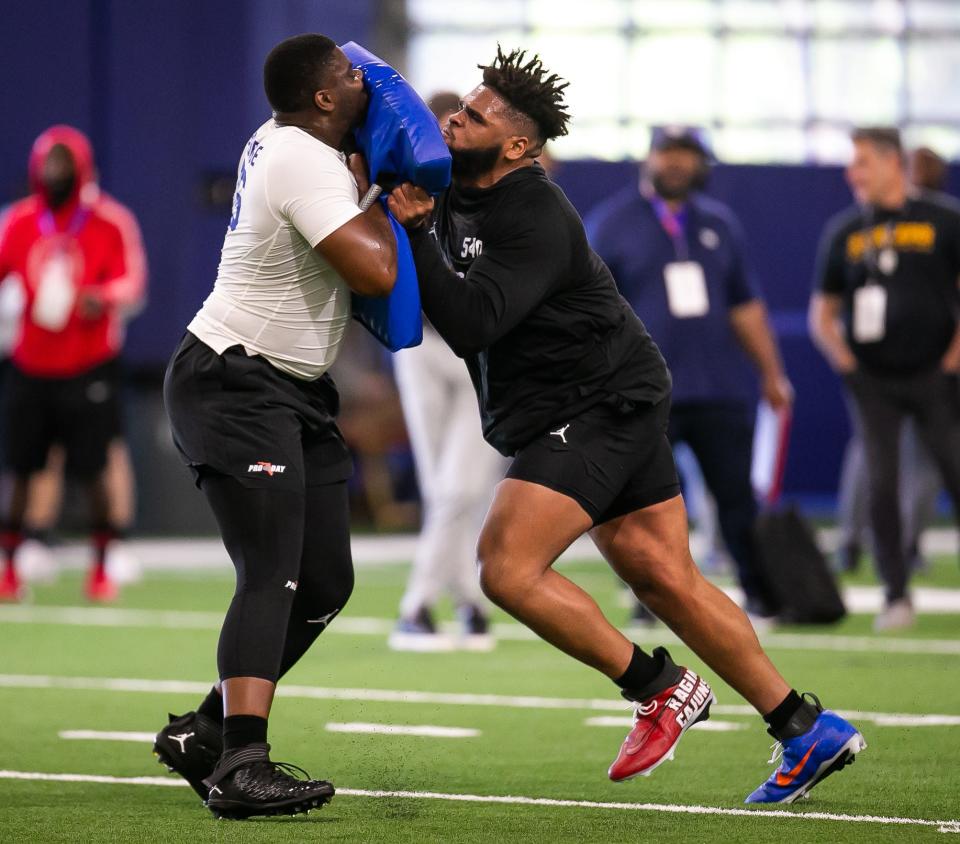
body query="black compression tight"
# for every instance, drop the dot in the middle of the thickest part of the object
(291, 552)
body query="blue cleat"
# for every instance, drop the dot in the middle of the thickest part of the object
(805, 760)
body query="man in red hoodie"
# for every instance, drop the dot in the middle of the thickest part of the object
(79, 257)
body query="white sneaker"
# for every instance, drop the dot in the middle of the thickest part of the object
(896, 616)
(35, 562)
(419, 633)
(122, 566)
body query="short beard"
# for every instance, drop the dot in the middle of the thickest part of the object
(671, 192)
(472, 163)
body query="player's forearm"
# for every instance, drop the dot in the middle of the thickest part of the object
(461, 313)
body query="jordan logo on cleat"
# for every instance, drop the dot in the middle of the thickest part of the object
(216, 789)
(561, 432)
(291, 585)
(182, 738)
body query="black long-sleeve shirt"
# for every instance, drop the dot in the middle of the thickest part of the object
(509, 281)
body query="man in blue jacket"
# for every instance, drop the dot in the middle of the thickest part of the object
(678, 259)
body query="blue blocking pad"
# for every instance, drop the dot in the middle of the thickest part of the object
(400, 137)
(401, 142)
(394, 320)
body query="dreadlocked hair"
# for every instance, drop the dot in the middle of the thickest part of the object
(530, 89)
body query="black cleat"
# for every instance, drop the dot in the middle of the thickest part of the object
(190, 745)
(247, 783)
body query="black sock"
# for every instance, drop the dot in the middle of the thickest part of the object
(241, 730)
(647, 674)
(212, 706)
(791, 718)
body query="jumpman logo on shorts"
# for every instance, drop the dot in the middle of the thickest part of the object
(324, 619)
(562, 433)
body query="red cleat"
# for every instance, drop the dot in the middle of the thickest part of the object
(659, 722)
(100, 589)
(11, 590)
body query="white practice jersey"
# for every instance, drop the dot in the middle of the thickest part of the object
(274, 294)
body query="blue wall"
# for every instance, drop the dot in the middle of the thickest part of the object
(169, 91)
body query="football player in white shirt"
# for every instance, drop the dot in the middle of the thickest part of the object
(252, 413)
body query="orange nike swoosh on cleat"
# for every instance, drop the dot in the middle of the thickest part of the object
(783, 780)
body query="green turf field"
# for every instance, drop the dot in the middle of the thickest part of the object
(523, 749)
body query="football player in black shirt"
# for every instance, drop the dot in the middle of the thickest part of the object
(573, 388)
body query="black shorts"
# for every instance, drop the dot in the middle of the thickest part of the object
(238, 415)
(610, 462)
(81, 413)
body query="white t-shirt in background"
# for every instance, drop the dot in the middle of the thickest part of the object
(274, 294)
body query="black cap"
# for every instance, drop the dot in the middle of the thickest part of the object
(681, 137)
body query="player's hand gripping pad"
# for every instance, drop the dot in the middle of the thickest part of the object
(401, 142)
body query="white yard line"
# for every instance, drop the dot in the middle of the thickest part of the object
(365, 626)
(403, 730)
(121, 684)
(511, 800)
(192, 554)
(106, 735)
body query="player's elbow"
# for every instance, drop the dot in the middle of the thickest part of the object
(375, 279)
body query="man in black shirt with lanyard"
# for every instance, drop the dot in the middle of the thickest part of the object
(886, 315)
(573, 388)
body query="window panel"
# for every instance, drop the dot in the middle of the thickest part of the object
(944, 140)
(448, 62)
(576, 14)
(783, 79)
(606, 141)
(464, 13)
(677, 14)
(882, 16)
(934, 14)
(588, 62)
(671, 79)
(829, 144)
(738, 145)
(933, 76)
(773, 15)
(762, 79)
(858, 81)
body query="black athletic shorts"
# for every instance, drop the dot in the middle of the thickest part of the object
(239, 415)
(611, 462)
(81, 413)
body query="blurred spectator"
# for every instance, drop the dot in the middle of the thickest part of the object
(885, 315)
(679, 260)
(927, 170)
(79, 258)
(457, 472)
(920, 480)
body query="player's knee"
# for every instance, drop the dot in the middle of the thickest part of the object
(328, 592)
(493, 580)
